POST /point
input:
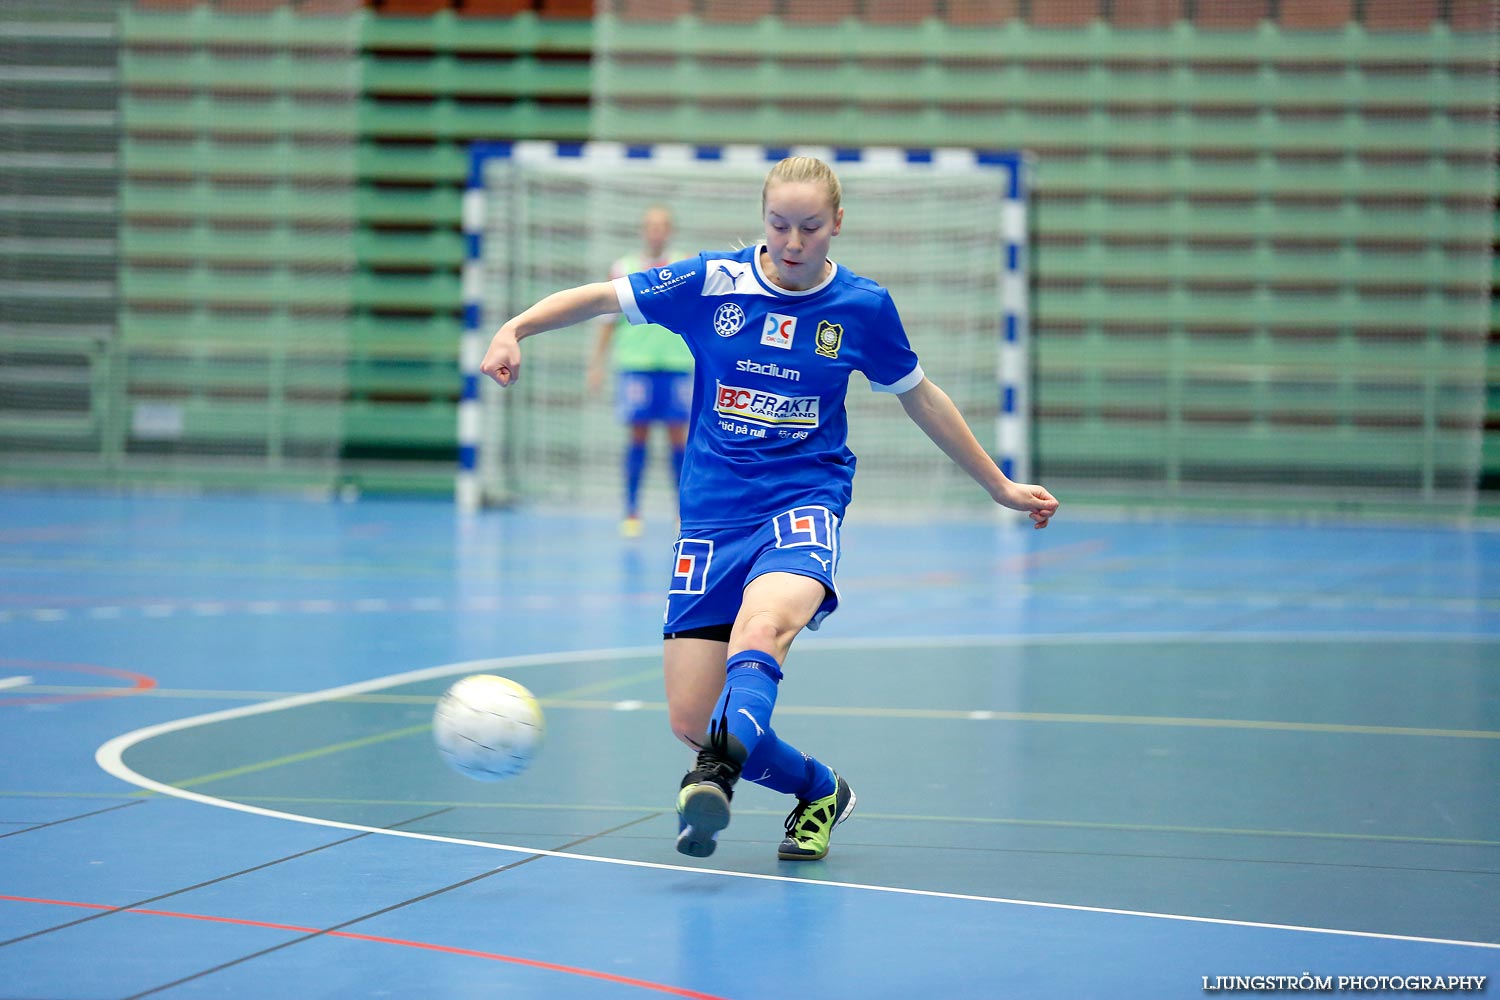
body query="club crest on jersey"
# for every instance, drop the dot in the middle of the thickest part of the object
(778, 331)
(828, 338)
(729, 319)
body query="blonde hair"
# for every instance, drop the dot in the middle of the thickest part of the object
(804, 169)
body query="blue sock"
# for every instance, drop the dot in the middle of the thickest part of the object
(748, 697)
(781, 767)
(635, 468)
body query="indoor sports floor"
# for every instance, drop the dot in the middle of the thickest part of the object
(1105, 760)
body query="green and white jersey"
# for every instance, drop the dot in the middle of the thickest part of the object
(648, 347)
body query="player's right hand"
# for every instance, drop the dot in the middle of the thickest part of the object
(502, 362)
(1034, 501)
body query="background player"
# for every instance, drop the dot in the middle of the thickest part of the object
(775, 329)
(654, 384)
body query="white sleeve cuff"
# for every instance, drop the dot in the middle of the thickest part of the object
(910, 381)
(625, 295)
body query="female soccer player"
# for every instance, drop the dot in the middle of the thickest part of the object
(775, 330)
(655, 383)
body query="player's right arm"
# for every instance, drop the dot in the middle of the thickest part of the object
(502, 362)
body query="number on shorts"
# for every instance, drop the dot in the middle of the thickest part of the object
(805, 526)
(690, 569)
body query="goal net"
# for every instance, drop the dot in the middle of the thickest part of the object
(944, 230)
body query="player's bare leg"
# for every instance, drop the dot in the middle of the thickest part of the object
(694, 674)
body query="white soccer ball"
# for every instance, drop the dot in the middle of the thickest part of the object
(487, 727)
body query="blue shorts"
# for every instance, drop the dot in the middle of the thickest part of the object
(654, 397)
(712, 566)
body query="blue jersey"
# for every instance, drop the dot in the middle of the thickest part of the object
(768, 431)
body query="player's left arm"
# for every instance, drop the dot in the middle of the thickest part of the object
(931, 409)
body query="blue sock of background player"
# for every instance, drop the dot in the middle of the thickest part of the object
(635, 469)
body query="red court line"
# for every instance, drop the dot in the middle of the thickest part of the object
(1047, 557)
(138, 682)
(399, 942)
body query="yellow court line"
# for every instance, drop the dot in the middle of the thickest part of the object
(896, 817)
(980, 715)
(1395, 838)
(1161, 720)
(564, 698)
(385, 737)
(294, 758)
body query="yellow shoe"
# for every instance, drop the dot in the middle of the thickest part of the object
(703, 798)
(811, 824)
(632, 527)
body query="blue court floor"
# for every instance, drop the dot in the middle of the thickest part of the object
(1114, 759)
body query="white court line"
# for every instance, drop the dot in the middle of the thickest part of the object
(13, 682)
(110, 757)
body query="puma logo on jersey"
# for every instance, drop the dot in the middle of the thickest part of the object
(722, 277)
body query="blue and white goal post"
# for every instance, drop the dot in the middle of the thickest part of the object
(946, 230)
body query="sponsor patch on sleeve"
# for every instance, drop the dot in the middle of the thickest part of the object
(666, 279)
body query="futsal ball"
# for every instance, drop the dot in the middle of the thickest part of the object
(487, 727)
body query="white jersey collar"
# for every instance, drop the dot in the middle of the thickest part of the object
(765, 279)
